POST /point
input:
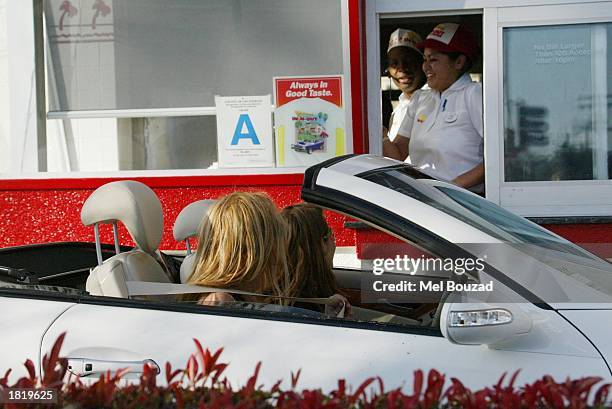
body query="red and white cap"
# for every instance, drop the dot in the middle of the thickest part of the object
(450, 38)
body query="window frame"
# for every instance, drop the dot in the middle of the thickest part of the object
(546, 198)
(392, 9)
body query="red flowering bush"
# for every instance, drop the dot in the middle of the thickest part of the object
(200, 385)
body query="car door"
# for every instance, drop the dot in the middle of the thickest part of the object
(112, 333)
(23, 322)
(37, 285)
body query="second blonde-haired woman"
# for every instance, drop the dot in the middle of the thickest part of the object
(242, 246)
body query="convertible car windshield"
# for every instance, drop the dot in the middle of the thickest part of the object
(519, 233)
(473, 210)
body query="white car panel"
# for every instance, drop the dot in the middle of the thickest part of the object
(23, 322)
(596, 326)
(549, 333)
(324, 353)
(363, 163)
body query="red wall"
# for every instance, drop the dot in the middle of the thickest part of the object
(34, 213)
(40, 211)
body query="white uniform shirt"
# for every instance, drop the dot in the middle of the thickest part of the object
(397, 117)
(446, 131)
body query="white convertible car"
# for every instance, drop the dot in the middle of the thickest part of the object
(492, 292)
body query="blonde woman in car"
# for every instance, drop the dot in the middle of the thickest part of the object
(242, 246)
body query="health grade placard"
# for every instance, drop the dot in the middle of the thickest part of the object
(309, 120)
(244, 131)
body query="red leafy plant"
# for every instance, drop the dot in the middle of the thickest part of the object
(200, 385)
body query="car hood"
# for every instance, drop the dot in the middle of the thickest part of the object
(595, 325)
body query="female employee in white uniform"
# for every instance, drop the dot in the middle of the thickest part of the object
(443, 130)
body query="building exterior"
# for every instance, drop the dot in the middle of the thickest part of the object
(99, 90)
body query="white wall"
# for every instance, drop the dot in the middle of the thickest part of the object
(22, 145)
(93, 141)
(4, 91)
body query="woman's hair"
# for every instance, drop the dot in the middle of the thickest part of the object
(468, 61)
(242, 245)
(311, 274)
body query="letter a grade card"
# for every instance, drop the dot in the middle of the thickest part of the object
(244, 131)
(309, 120)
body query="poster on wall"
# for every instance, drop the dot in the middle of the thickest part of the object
(244, 131)
(309, 120)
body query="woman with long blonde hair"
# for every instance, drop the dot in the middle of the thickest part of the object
(242, 246)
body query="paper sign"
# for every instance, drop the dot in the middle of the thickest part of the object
(244, 131)
(309, 119)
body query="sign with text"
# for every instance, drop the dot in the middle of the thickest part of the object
(244, 131)
(309, 119)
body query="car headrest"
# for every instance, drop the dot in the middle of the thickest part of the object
(188, 220)
(132, 203)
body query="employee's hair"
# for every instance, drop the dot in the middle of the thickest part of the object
(469, 63)
(311, 275)
(242, 245)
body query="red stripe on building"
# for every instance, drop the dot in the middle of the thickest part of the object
(161, 181)
(358, 84)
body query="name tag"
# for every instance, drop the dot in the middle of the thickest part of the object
(450, 117)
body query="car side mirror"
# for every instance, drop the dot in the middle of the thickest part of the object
(483, 323)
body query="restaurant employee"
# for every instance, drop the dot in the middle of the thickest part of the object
(404, 62)
(443, 130)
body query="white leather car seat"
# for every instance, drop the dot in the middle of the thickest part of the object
(186, 226)
(138, 208)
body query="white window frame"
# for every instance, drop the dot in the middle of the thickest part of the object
(535, 199)
(547, 198)
(34, 153)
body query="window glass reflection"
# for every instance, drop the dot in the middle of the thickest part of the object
(114, 144)
(143, 54)
(556, 102)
